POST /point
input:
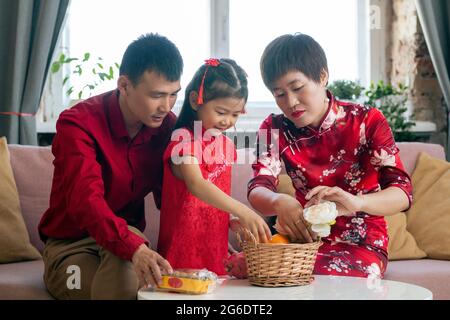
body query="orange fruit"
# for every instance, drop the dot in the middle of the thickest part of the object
(279, 239)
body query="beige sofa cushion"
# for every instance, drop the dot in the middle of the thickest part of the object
(33, 171)
(429, 217)
(14, 239)
(402, 245)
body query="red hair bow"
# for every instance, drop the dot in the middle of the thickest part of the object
(213, 62)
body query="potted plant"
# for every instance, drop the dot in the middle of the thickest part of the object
(80, 68)
(346, 90)
(391, 101)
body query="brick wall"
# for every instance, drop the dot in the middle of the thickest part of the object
(409, 62)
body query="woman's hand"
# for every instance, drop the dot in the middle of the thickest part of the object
(290, 218)
(347, 204)
(254, 223)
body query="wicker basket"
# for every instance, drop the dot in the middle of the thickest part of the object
(278, 265)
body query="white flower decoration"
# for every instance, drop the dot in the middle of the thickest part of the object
(324, 212)
(321, 216)
(322, 229)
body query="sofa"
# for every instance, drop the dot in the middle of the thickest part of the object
(33, 169)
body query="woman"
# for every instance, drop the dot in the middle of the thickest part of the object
(332, 150)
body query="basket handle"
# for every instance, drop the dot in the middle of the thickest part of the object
(247, 236)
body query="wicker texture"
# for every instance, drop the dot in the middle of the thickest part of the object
(278, 265)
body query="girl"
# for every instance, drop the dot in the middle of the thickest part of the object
(196, 198)
(332, 150)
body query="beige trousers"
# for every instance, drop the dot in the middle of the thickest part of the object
(82, 270)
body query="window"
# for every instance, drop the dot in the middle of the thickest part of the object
(204, 28)
(331, 23)
(107, 27)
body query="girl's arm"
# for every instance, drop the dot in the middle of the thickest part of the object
(189, 171)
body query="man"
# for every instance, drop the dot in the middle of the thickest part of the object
(108, 157)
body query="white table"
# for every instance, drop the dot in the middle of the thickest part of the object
(322, 288)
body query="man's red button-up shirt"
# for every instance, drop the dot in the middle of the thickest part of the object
(102, 175)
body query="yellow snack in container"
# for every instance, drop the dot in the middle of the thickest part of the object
(189, 281)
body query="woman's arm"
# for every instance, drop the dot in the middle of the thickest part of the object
(189, 171)
(386, 202)
(264, 200)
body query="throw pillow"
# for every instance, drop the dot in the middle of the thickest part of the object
(428, 220)
(14, 239)
(402, 245)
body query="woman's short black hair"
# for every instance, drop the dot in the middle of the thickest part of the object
(152, 52)
(297, 52)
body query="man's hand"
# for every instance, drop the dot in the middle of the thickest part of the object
(149, 266)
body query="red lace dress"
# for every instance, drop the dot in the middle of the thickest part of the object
(192, 233)
(354, 149)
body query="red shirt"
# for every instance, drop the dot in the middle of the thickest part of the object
(353, 148)
(194, 234)
(101, 175)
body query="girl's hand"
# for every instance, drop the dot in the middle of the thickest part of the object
(347, 204)
(290, 218)
(254, 223)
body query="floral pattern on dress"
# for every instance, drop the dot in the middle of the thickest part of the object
(299, 180)
(270, 165)
(343, 262)
(382, 159)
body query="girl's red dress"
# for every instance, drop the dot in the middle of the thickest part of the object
(353, 148)
(194, 234)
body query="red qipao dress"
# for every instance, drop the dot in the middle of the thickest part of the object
(353, 148)
(194, 234)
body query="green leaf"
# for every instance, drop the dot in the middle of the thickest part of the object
(55, 67)
(100, 65)
(117, 65)
(78, 69)
(66, 78)
(62, 57)
(69, 92)
(86, 56)
(69, 60)
(111, 73)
